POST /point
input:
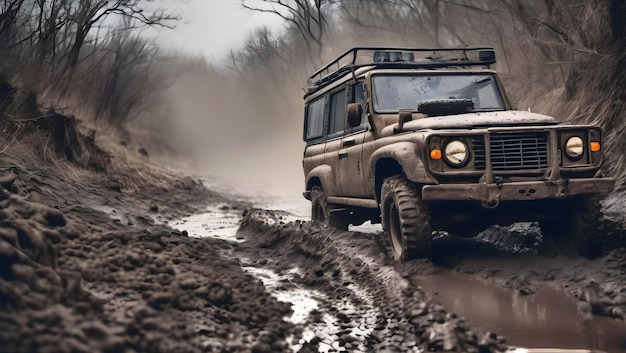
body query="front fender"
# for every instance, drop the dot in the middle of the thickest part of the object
(406, 155)
(325, 175)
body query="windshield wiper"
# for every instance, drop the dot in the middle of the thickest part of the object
(483, 80)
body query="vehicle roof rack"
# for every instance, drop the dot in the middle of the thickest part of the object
(397, 57)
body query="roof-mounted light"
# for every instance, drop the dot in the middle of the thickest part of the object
(392, 56)
(488, 55)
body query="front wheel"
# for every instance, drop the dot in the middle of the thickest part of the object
(322, 210)
(406, 219)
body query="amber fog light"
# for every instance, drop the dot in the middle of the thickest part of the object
(595, 146)
(456, 153)
(435, 154)
(574, 147)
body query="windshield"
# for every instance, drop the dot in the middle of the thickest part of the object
(393, 93)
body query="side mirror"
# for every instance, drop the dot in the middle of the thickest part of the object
(354, 114)
(403, 117)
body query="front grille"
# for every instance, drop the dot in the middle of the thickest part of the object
(513, 151)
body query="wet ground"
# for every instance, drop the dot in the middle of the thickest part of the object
(186, 266)
(548, 305)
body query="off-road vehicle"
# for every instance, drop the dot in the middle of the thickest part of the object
(426, 140)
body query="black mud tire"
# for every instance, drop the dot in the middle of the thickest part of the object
(576, 229)
(406, 219)
(321, 211)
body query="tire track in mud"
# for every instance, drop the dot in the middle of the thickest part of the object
(368, 302)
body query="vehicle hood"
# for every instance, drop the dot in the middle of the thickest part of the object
(479, 120)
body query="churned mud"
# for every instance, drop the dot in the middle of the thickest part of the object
(503, 280)
(362, 302)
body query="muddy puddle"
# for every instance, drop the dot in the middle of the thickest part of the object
(547, 319)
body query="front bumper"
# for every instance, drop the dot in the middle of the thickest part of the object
(491, 194)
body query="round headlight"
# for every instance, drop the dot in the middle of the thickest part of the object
(574, 147)
(456, 153)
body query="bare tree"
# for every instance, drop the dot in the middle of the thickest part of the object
(261, 52)
(85, 14)
(9, 15)
(308, 17)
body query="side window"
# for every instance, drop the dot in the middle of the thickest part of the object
(337, 112)
(315, 119)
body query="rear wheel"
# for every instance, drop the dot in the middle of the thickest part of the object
(406, 219)
(322, 210)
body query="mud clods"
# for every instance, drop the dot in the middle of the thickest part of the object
(28, 233)
(33, 289)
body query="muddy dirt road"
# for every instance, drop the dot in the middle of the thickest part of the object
(187, 266)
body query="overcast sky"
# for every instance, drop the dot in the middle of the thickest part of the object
(213, 27)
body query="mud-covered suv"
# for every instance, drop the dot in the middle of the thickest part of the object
(426, 140)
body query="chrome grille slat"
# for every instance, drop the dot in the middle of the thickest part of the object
(513, 151)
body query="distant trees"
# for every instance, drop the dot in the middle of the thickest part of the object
(307, 17)
(262, 52)
(54, 31)
(83, 51)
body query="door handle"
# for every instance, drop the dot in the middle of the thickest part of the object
(348, 143)
(343, 155)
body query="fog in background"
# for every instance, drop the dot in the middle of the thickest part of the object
(248, 134)
(210, 28)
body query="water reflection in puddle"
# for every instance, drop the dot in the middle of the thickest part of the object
(548, 318)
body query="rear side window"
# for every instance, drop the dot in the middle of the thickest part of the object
(315, 119)
(337, 112)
